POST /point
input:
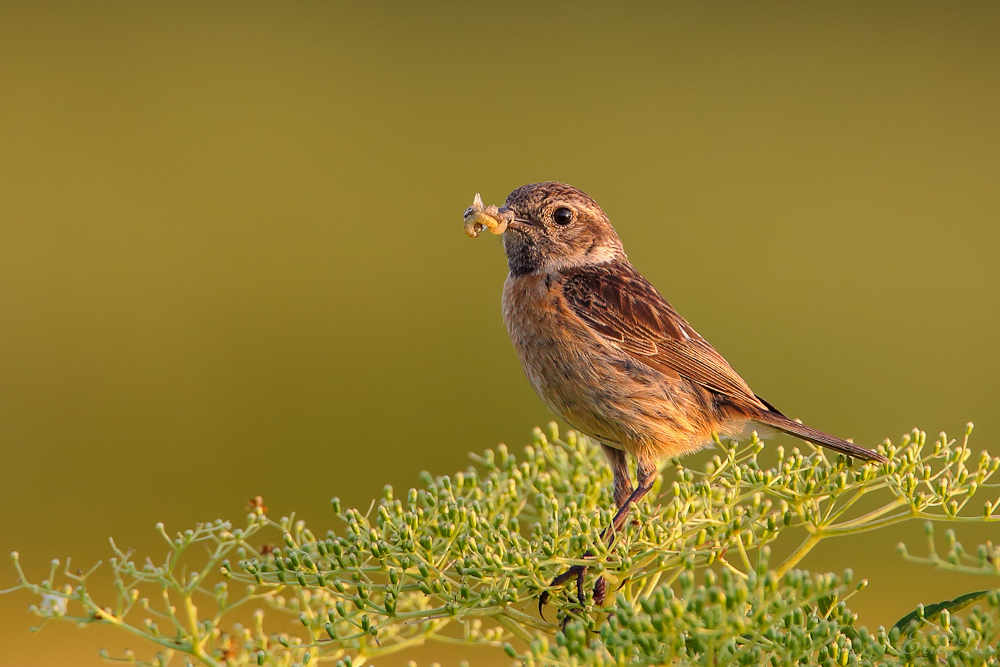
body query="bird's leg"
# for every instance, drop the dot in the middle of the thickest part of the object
(645, 473)
(619, 468)
(625, 497)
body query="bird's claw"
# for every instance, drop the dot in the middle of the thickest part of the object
(600, 591)
(578, 572)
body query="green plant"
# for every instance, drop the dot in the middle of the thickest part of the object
(464, 558)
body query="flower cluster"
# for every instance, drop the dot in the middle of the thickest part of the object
(464, 558)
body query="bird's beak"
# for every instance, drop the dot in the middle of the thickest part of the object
(511, 217)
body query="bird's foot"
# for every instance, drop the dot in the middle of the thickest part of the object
(578, 572)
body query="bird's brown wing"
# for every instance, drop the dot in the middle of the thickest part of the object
(619, 304)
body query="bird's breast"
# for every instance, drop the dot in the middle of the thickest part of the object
(567, 364)
(591, 382)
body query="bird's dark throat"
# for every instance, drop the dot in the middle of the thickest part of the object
(523, 256)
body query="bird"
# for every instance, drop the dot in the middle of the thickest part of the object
(605, 351)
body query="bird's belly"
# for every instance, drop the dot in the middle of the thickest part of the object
(597, 388)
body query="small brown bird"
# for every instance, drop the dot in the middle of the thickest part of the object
(606, 352)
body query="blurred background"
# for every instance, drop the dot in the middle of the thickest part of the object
(232, 261)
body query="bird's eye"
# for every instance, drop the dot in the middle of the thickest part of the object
(563, 216)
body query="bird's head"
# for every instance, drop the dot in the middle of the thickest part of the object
(553, 226)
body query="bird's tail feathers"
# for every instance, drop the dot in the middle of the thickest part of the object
(783, 423)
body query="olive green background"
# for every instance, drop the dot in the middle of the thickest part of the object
(232, 262)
